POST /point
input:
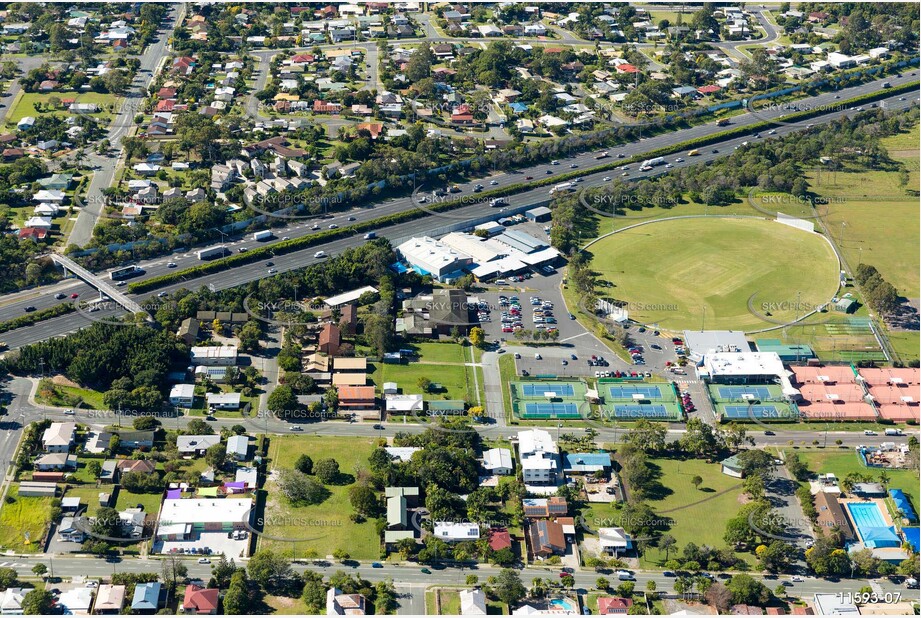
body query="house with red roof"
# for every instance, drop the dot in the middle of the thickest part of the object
(499, 539)
(303, 59)
(709, 89)
(166, 105)
(325, 107)
(614, 605)
(35, 233)
(374, 128)
(626, 68)
(198, 600)
(166, 93)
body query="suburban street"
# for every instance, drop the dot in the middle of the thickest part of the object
(106, 165)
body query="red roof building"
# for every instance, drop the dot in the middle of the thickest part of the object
(330, 339)
(166, 93)
(323, 107)
(166, 105)
(198, 600)
(374, 128)
(499, 539)
(35, 233)
(626, 68)
(710, 89)
(356, 396)
(303, 58)
(614, 605)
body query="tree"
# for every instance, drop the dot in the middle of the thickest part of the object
(7, 578)
(568, 581)
(625, 589)
(696, 480)
(424, 384)
(508, 587)
(305, 464)
(327, 470)
(477, 336)
(282, 402)
(237, 597)
(37, 603)
(719, 597)
(144, 423)
(222, 571)
(40, 569)
(268, 569)
(216, 456)
(314, 593)
(172, 570)
(407, 547)
(363, 499)
(301, 489)
(93, 468)
(747, 590)
(648, 436)
(198, 427)
(666, 542)
(107, 524)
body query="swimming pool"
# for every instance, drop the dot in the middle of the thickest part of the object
(871, 526)
(563, 603)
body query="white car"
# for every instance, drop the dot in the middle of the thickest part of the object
(315, 226)
(272, 271)
(319, 254)
(69, 412)
(296, 428)
(204, 561)
(606, 179)
(91, 585)
(171, 265)
(161, 294)
(679, 160)
(333, 226)
(494, 182)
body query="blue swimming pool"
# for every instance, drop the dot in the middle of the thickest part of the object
(871, 526)
(563, 603)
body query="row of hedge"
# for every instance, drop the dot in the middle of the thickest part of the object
(306, 242)
(36, 316)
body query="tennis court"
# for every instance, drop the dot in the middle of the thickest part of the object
(761, 393)
(649, 411)
(535, 409)
(540, 390)
(627, 391)
(760, 412)
(543, 398)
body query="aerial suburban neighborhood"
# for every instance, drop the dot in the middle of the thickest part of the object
(433, 308)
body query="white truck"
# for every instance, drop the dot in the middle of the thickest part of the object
(263, 236)
(499, 201)
(212, 253)
(893, 432)
(563, 187)
(648, 164)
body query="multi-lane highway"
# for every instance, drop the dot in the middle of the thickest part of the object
(13, 305)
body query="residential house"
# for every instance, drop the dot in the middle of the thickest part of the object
(473, 602)
(109, 599)
(456, 531)
(182, 395)
(540, 457)
(498, 461)
(11, 601)
(535, 508)
(59, 437)
(238, 447)
(614, 540)
(136, 439)
(546, 538)
(608, 606)
(196, 445)
(198, 600)
(338, 604)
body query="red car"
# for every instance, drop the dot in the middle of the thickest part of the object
(74, 295)
(529, 177)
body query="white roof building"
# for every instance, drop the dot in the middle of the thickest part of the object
(472, 602)
(498, 461)
(348, 297)
(456, 531)
(403, 403)
(206, 511)
(613, 539)
(433, 257)
(402, 453)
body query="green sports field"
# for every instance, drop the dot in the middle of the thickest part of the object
(686, 272)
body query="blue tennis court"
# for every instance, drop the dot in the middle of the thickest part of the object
(533, 409)
(737, 392)
(627, 391)
(538, 389)
(759, 411)
(641, 410)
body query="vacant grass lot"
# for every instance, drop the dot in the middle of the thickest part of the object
(677, 272)
(326, 527)
(127, 500)
(23, 522)
(89, 496)
(24, 104)
(697, 515)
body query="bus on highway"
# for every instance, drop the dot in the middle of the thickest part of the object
(126, 273)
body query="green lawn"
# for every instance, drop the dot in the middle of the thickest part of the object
(457, 380)
(843, 461)
(89, 496)
(24, 104)
(326, 525)
(713, 271)
(23, 522)
(442, 352)
(698, 515)
(126, 500)
(286, 606)
(70, 396)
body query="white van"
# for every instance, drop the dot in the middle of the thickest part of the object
(501, 282)
(319, 254)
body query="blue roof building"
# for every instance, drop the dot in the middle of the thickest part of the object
(146, 597)
(586, 463)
